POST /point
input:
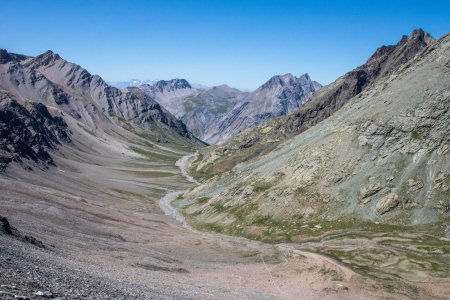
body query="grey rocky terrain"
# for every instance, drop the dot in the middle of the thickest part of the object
(279, 96)
(28, 132)
(328, 100)
(376, 169)
(218, 113)
(382, 157)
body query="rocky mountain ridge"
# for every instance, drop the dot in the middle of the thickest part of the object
(382, 157)
(278, 96)
(215, 114)
(323, 103)
(43, 94)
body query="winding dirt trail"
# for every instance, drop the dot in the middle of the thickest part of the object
(166, 200)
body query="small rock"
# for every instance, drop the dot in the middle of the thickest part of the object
(13, 287)
(366, 200)
(45, 294)
(370, 190)
(387, 203)
(415, 185)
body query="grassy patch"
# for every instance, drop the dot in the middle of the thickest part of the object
(219, 207)
(151, 174)
(234, 156)
(415, 135)
(202, 200)
(153, 155)
(212, 227)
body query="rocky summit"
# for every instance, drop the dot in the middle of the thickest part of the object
(277, 97)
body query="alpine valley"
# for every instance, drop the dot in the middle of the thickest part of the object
(166, 190)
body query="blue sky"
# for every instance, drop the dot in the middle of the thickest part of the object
(240, 43)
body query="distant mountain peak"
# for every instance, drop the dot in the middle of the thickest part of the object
(5, 56)
(172, 85)
(305, 76)
(286, 80)
(48, 56)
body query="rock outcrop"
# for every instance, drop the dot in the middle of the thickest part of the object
(7, 229)
(28, 132)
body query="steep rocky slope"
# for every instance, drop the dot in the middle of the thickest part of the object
(202, 112)
(218, 113)
(382, 157)
(199, 109)
(277, 97)
(44, 98)
(326, 101)
(28, 132)
(170, 93)
(130, 104)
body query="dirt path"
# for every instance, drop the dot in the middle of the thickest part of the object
(165, 203)
(170, 211)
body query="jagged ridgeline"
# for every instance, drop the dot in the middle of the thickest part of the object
(372, 146)
(218, 113)
(45, 101)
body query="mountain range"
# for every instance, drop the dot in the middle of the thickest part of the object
(137, 82)
(48, 97)
(215, 114)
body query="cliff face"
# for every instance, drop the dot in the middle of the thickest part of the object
(28, 132)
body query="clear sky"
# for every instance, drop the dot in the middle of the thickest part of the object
(240, 43)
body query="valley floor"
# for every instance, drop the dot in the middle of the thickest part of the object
(106, 237)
